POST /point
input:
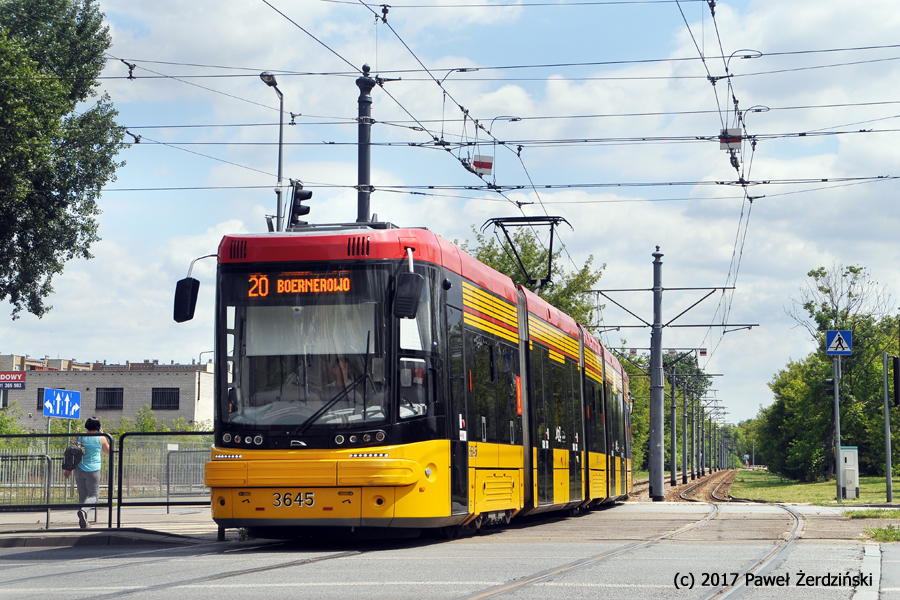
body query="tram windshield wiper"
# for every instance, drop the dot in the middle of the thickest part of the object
(366, 376)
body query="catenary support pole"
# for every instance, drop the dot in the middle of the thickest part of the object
(673, 446)
(693, 437)
(701, 423)
(888, 470)
(684, 428)
(657, 387)
(364, 163)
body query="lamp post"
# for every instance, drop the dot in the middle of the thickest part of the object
(269, 80)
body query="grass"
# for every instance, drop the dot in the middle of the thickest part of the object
(761, 485)
(873, 513)
(884, 534)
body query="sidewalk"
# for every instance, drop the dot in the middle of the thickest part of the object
(140, 525)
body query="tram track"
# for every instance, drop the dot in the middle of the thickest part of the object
(760, 565)
(770, 560)
(720, 478)
(587, 562)
(228, 574)
(76, 566)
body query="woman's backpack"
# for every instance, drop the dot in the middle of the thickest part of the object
(73, 456)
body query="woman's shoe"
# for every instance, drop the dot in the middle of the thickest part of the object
(82, 519)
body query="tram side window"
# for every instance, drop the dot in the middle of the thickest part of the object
(599, 431)
(509, 422)
(575, 413)
(609, 417)
(482, 398)
(559, 395)
(457, 375)
(627, 434)
(416, 398)
(540, 393)
(616, 426)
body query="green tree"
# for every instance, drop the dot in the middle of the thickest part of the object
(566, 290)
(796, 433)
(639, 385)
(9, 423)
(54, 158)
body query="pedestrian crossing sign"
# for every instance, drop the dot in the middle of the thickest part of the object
(838, 343)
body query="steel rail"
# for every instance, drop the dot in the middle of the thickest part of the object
(227, 574)
(587, 562)
(767, 562)
(81, 566)
(684, 494)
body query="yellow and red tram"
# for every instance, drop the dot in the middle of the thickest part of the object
(381, 377)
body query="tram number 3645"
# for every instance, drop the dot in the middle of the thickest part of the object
(299, 499)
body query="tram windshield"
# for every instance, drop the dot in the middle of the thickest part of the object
(304, 348)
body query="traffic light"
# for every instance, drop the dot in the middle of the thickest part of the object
(829, 386)
(297, 209)
(896, 364)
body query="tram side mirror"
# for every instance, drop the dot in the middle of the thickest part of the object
(185, 299)
(409, 290)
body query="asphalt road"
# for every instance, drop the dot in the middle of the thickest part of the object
(662, 550)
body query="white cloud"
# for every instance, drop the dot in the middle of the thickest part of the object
(118, 306)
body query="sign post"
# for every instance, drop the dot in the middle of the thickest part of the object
(838, 343)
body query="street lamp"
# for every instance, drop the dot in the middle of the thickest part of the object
(269, 80)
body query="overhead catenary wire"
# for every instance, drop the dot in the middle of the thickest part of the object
(478, 127)
(395, 122)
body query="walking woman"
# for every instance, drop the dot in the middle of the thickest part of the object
(87, 473)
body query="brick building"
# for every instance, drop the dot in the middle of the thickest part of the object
(109, 391)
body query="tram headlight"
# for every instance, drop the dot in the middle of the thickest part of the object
(226, 437)
(367, 437)
(258, 440)
(248, 440)
(237, 439)
(379, 436)
(352, 439)
(338, 439)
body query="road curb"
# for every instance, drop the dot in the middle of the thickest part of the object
(105, 537)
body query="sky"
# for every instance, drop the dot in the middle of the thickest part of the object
(617, 107)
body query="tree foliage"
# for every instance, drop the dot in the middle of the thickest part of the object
(9, 420)
(836, 298)
(795, 435)
(144, 421)
(566, 290)
(58, 142)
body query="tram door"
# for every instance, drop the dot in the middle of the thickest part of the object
(543, 420)
(459, 453)
(574, 443)
(609, 419)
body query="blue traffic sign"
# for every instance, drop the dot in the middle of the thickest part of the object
(62, 404)
(838, 343)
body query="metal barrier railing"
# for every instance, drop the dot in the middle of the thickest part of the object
(121, 473)
(190, 481)
(48, 475)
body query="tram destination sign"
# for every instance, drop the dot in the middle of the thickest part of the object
(297, 283)
(14, 380)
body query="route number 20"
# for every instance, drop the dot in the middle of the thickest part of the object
(259, 286)
(299, 499)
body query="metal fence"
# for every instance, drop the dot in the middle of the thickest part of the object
(151, 469)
